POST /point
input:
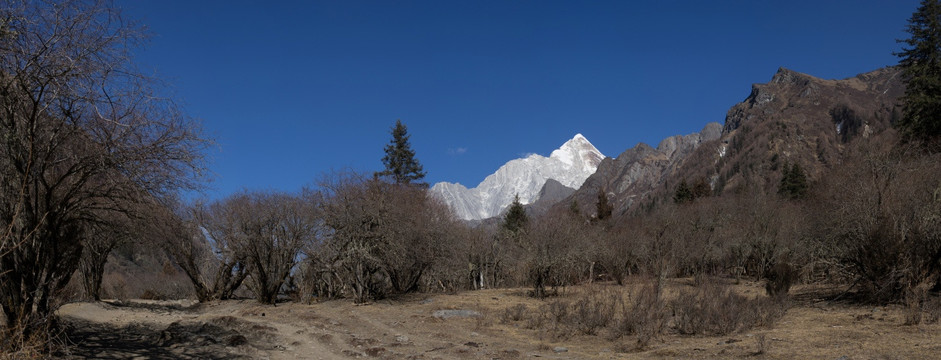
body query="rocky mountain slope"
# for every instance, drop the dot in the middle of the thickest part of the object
(640, 170)
(568, 166)
(794, 118)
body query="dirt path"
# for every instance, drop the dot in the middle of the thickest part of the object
(244, 329)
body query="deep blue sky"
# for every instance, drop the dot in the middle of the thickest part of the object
(291, 90)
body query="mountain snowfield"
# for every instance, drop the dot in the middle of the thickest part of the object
(570, 165)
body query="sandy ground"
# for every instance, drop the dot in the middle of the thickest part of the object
(815, 327)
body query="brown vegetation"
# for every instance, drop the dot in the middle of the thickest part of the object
(92, 163)
(86, 140)
(382, 239)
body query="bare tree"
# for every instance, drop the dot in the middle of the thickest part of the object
(213, 267)
(617, 254)
(660, 246)
(268, 230)
(553, 251)
(419, 233)
(100, 240)
(85, 135)
(882, 215)
(381, 238)
(353, 212)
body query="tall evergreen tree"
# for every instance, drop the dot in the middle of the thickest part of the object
(401, 165)
(920, 62)
(603, 207)
(793, 182)
(683, 193)
(516, 218)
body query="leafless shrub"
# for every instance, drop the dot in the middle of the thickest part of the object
(881, 213)
(715, 309)
(642, 314)
(932, 307)
(552, 254)
(212, 264)
(538, 318)
(592, 311)
(513, 313)
(492, 260)
(762, 343)
(921, 307)
(381, 238)
(780, 278)
(616, 254)
(913, 310)
(558, 311)
(267, 231)
(37, 342)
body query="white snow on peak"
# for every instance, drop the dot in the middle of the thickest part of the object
(570, 165)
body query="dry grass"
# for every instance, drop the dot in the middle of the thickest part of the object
(516, 326)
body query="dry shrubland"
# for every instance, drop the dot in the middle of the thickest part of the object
(93, 162)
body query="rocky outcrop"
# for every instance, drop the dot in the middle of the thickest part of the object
(798, 118)
(639, 170)
(552, 193)
(790, 93)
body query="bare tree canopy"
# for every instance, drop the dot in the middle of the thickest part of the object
(84, 134)
(380, 238)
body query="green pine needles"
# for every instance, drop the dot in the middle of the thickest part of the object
(920, 62)
(515, 219)
(401, 166)
(793, 183)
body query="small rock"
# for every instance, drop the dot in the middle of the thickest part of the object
(427, 301)
(560, 349)
(446, 314)
(471, 344)
(844, 357)
(401, 339)
(375, 351)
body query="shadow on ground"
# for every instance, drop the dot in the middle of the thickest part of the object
(155, 307)
(197, 341)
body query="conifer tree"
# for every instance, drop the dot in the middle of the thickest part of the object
(516, 218)
(574, 208)
(683, 193)
(920, 62)
(401, 166)
(603, 207)
(793, 183)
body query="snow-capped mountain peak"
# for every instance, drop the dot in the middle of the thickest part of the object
(578, 152)
(570, 165)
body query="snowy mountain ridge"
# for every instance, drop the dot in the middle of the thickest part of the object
(570, 165)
